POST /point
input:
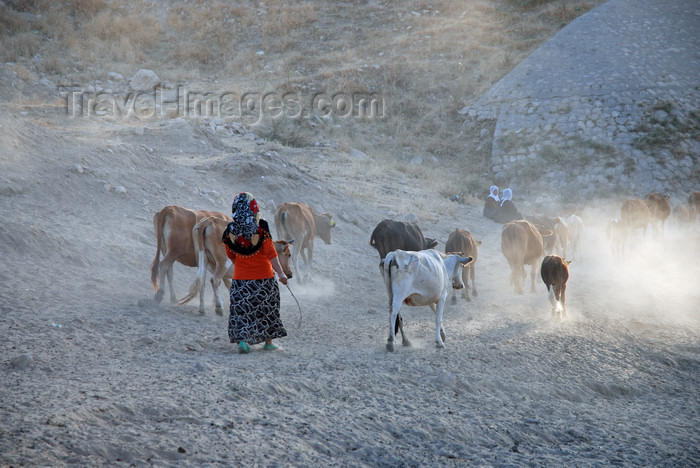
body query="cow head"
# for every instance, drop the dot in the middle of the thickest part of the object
(284, 253)
(324, 223)
(430, 243)
(454, 264)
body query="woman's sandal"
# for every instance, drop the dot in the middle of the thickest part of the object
(270, 347)
(243, 347)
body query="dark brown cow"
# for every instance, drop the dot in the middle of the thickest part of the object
(560, 232)
(555, 274)
(390, 235)
(521, 244)
(659, 208)
(694, 205)
(635, 214)
(298, 222)
(210, 251)
(461, 241)
(173, 227)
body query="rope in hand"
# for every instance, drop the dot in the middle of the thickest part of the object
(295, 299)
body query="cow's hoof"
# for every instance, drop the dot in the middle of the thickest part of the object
(439, 345)
(158, 297)
(406, 343)
(474, 293)
(390, 347)
(219, 311)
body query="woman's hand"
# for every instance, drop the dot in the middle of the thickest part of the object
(283, 279)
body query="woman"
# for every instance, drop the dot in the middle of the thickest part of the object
(255, 295)
(507, 211)
(491, 204)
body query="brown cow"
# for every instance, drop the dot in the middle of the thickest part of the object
(694, 205)
(210, 251)
(521, 244)
(298, 222)
(555, 274)
(635, 214)
(659, 208)
(173, 227)
(461, 241)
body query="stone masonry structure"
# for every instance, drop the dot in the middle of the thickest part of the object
(610, 105)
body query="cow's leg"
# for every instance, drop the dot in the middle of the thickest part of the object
(519, 276)
(562, 299)
(394, 308)
(465, 280)
(310, 257)
(399, 325)
(439, 329)
(472, 273)
(218, 303)
(165, 272)
(533, 272)
(295, 260)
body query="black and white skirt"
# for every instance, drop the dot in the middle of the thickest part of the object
(255, 311)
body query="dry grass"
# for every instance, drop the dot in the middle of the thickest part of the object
(427, 60)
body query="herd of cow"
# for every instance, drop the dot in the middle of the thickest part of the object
(414, 272)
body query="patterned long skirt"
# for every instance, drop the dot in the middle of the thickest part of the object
(255, 311)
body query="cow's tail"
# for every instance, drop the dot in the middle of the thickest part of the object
(386, 265)
(158, 226)
(282, 228)
(556, 305)
(198, 238)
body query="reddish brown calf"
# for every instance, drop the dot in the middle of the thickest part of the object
(555, 274)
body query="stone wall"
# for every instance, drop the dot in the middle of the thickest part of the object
(609, 106)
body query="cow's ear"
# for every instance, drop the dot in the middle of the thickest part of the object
(478, 242)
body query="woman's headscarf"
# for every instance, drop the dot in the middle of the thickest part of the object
(493, 193)
(246, 215)
(507, 195)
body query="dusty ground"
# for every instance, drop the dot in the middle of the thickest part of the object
(93, 373)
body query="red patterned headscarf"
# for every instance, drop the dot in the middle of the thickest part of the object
(246, 215)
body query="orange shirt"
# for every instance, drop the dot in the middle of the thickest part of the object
(255, 266)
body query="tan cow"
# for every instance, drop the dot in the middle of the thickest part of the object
(298, 222)
(173, 227)
(521, 244)
(555, 274)
(659, 209)
(461, 241)
(635, 214)
(211, 253)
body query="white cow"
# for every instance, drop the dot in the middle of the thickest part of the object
(575, 224)
(419, 279)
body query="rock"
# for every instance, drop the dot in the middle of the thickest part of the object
(114, 76)
(417, 161)
(144, 80)
(357, 154)
(23, 361)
